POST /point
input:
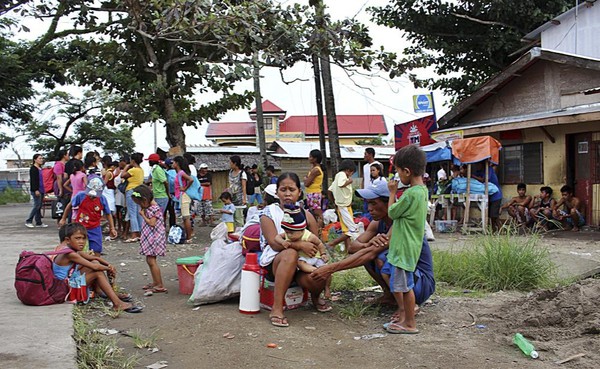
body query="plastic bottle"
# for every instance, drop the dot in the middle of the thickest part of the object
(250, 286)
(525, 346)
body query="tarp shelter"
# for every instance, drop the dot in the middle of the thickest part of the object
(476, 149)
(439, 151)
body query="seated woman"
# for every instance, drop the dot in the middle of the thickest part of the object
(280, 262)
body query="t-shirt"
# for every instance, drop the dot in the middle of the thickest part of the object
(273, 180)
(228, 218)
(136, 179)
(205, 182)
(250, 184)
(159, 177)
(90, 209)
(367, 173)
(77, 182)
(409, 214)
(59, 171)
(342, 195)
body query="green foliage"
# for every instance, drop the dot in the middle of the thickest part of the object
(466, 42)
(379, 141)
(496, 262)
(70, 120)
(356, 309)
(11, 196)
(351, 280)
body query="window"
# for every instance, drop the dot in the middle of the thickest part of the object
(522, 163)
(268, 124)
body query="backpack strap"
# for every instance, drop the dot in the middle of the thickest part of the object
(65, 250)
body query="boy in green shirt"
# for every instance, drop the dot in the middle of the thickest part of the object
(408, 229)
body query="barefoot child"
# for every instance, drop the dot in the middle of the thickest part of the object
(227, 211)
(153, 237)
(294, 226)
(93, 267)
(518, 206)
(408, 229)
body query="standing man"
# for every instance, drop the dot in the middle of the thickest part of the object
(370, 159)
(36, 186)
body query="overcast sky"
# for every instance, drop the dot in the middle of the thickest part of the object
(393, 98)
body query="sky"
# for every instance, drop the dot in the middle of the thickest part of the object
(391, 98)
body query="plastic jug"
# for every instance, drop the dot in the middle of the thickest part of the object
(250, 288)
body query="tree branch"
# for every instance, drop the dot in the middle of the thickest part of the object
(481, 21)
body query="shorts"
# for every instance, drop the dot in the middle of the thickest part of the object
(230, 227)
(570, 220)
(206, 209)
(494, 208)
(401, 280)
(95, 239)
(316, 262)
(313, 201)
(185, 205)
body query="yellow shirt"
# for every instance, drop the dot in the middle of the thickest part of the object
(342, 195)
(136, 179)
(315, 186)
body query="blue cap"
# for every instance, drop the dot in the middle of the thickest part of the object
(374, 190)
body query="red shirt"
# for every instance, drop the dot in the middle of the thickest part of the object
(90, 212)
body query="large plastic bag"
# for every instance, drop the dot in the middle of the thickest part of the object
(218, 278)
(329, 216)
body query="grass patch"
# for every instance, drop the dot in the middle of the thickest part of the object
(10, 195)
(351, 280)
(95, 350)
(142, 341)
(496, 262)
(357, 309)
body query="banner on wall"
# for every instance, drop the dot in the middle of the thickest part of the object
(416, 132)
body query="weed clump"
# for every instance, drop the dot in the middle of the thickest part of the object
(496, 262)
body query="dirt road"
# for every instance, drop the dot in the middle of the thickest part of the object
(455, 332)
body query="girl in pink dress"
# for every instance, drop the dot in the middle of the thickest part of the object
(153, 237)
(77, 180)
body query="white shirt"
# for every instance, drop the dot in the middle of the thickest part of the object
(367, 173)
(441, 175)
(193, 170)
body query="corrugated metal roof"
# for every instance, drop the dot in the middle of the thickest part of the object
(536, 33)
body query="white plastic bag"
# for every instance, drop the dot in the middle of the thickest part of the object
(218, 278)
(329, 216)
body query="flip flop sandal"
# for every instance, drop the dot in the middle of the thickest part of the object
(149, 286)
(279, 321)
(159, 290)
(324, 307)
(125, 297)
(131, 240)
(395, 328)
(134, 309)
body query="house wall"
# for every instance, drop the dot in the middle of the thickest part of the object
(546, 86)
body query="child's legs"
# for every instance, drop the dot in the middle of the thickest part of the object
(401, 284)
(347, 221)
(95, 238)
(305, 267)
(185, 214)
(154, 271)
(101, 281)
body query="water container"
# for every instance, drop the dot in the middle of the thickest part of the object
(186, 267)
(250, 289)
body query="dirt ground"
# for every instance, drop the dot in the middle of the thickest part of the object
(456, 332)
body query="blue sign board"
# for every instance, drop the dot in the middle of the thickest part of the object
(423, 104)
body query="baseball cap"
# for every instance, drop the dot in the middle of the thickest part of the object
(203, 166)
(95, 186)
(169, 161)
(373, 191)
(153, 157)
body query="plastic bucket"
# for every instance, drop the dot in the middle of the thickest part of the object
(186, 267)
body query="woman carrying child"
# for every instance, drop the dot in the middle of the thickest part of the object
(280, 262)
(153, 239)
(93, 267)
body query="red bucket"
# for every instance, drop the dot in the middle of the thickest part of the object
(186, 267)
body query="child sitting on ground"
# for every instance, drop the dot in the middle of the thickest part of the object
(571, 214)
(518, 206)
(93, 267)
(153, 238)
(406, 240)
(541, 211)
(341, 188)
(227, 211)
(294, 225)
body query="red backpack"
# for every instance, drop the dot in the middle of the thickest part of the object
(35, 282)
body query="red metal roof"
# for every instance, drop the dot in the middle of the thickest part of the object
(231, 129)
(348, 125)
(269, 107)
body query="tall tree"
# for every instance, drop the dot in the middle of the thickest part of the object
(465, 42)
